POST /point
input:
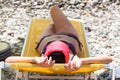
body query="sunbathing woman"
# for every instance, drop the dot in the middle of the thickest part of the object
(59, 43)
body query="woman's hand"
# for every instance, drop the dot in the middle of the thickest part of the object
(43, 61)
(74, 64)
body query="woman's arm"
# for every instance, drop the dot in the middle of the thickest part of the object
(76, 63)
(97, 60)
(42, 61)
(17, 59)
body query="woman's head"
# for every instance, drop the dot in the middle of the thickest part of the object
(59, 57)
(59, 51)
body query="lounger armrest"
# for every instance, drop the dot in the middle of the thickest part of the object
(57, 68)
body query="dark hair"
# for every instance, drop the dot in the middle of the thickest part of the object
(58, 57)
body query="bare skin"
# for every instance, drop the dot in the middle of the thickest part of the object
(75, 64)
(58, 22)
(43, 61)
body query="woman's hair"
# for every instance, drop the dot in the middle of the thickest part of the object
(58, 57)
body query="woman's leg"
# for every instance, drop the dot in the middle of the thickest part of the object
(49, 30)
(62, 24)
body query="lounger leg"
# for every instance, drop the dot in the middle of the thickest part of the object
(113, 74)
(90, 76)
(0, 74)
(25, 75)
(87, 76)
(18, 75)
(1, 67)
(93, 76)
(22, 75)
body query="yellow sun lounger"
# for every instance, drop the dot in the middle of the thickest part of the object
(37, 26)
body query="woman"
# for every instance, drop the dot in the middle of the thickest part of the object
(59, 43)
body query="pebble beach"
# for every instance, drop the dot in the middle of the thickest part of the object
(101, 19)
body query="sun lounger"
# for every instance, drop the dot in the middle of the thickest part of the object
(37, 26)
